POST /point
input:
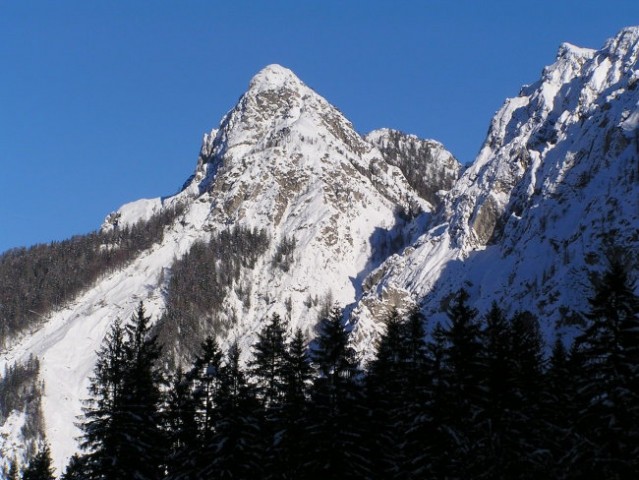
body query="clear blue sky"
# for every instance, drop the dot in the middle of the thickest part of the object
(105, 102)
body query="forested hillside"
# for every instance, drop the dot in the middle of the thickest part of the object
(42, 278)
(478, 397)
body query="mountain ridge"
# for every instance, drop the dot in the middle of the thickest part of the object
(566, 140)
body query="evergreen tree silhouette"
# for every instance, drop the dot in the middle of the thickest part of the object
(527, 454)
(386, 386)
(268, 366)
(609, 386)
(144, 454)
(104, 432)
(77, 469)
(206, 377)
(39, 467)
(268, 370)
(335, 427)
(494, 420)
(462, 373)
(290, 448)
(559, 410)
(181, 427)
(235, 448)
(122, 424)
(398, 393)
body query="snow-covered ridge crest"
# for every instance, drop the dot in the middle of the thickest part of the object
(554, 186)
(580, 83)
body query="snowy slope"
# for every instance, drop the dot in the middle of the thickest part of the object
(284, 160)
(554, 187)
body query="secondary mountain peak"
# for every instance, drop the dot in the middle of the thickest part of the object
(624, 45)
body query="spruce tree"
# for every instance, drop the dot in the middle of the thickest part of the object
(39, 467)
(181, 428)
(385, 388)
(143, 456)
(559, 407)
(494, 419)
(396, 392)
(298, 372)
(268, 371)
(269, 363)
(235, 450)
(428, 441)
(290, 448)
(462, 371)
(205, 377)
(104, 433)
(527, 454)
(336, 426)
(77, 469)
(121, 422)
(335, 359)
(609, 385)
(193, 412)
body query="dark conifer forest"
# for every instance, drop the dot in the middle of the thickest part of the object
(42, 278)
(477, 396)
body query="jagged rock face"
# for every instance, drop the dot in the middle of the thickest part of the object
(545, 124)
(555, 186)
(429, 168)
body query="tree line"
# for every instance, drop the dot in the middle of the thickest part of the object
(476, 397)
(44, 277)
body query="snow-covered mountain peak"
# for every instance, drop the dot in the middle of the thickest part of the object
(284, 162)
(274, 77)
(581, 83)
(279, 111)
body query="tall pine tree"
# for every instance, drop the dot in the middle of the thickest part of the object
(122, 427)
(336, 426)
(269, 371)
(291, 447)
(145, 454)
(104, 432)
(181, 428)
(462, 372)
(269, 363)
(39, 467)
(609, 386)
(235, 450)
